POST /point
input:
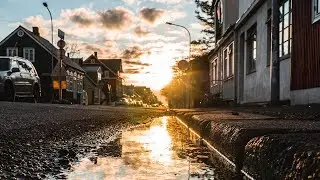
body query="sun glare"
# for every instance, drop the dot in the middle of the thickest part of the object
(156, 76)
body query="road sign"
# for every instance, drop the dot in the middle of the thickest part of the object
(56, 85)
(61, 34)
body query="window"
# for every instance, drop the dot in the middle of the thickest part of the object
(12, 52)
(215, 72)
(219, 20)
(31, 69)
(251, 49)
(285, 28)
(316, 10)
(228, 61)
(106, 74)
(29, 54)
(225, 63)
(23, 67)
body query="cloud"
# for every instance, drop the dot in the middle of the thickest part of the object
(133, 70)
(151, 15)
(134, 52)
(168, 1)
(139, 31)
(118, 18)
(136, 63)
(82, 16)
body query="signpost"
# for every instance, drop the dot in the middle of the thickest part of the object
(61, 44)
(61, 34)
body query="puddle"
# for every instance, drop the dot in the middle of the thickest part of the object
(163, 149)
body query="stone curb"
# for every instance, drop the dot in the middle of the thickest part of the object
(231, 136)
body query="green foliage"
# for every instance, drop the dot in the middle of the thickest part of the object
(205, 14)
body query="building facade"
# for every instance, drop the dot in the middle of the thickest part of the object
(222, 57)
(30, 45)
(111, 82)
(248, 46)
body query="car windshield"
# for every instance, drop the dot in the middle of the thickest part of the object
(4, 64)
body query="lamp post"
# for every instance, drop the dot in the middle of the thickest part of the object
(46, 6)
(184, 64)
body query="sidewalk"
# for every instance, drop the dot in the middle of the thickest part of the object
(266, 142)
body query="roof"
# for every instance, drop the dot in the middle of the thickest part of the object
(91, 68)
(114, 64)
(49, 47)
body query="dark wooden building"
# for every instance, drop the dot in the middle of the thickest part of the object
(305, 65)
(30, 45)
(111, 82)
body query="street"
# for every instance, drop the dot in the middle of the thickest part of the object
(38, 140)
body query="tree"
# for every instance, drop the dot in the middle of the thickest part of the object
(205, 14)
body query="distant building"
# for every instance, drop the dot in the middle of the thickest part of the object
(111, 81)
(30, 45)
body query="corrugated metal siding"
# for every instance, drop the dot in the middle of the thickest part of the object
(305, 69)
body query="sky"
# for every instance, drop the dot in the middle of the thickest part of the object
(133, 30)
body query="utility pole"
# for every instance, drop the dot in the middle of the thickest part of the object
(275, 68)
(61, 44)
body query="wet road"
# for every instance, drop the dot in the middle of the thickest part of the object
(163, 149)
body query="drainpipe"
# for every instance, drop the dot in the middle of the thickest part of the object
(275, 68)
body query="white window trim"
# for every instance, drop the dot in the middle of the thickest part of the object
(29, 49)
(315, 17)
(214, 75)
(228, 74)
(12, 48)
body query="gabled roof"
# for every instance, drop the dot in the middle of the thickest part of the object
(45, 44)
(94, 68)
(114, 64)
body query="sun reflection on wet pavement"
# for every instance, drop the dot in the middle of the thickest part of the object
(163, 149)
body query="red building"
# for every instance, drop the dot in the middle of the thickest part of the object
(305, 56)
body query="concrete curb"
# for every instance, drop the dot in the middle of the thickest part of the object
(234, 136)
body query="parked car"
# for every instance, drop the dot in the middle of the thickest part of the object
(18, 78)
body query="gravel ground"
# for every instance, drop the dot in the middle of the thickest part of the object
(37, 140)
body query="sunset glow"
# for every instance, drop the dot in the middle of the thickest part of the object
(133, 30)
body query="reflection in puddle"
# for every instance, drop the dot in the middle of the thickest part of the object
(164, 149)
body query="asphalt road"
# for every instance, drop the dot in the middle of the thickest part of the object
(41, 139)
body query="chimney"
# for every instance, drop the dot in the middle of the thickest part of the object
(68, 55)
(96, 54)
(36, 31)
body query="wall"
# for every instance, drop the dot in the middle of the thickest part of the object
(230, 13)
(306, 96)
(256, 86)
(306, 45)
(244, 5)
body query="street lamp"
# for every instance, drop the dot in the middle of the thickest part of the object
(184, 64)
(172, 24)
(45, 4)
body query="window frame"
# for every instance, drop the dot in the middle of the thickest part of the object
(251, 50)
(106, 72)
(228, 61)
(12, 49)
(215, 72)
(283, 28)
(315, 11)
(28, 49)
